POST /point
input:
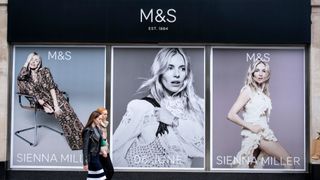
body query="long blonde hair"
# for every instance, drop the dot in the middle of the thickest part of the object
(251, 82)
(30, 56)
(159, 67)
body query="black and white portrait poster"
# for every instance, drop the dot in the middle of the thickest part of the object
(157, 107)
(54, 90)
(258, 109)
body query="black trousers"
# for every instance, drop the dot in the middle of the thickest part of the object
(107, 166)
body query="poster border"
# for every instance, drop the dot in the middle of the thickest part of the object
(12, 103)
(246, 170)
(136, 169)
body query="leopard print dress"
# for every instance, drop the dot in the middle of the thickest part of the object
(40, 87)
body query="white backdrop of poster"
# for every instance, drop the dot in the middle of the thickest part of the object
(229, 67)
(77, 70)
(130, 67)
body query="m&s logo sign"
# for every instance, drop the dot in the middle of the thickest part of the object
(158, 15)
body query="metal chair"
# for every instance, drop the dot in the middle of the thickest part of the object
(32, 104)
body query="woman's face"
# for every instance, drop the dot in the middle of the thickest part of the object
(34, 62)
(260, 74)
(104, 115)
(175, 74)
(97, 120)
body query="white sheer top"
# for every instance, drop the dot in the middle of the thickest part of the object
(139, 125)
(258, 107)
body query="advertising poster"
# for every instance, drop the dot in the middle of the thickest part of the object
(54, 90)
(157, 104)
(258, 109)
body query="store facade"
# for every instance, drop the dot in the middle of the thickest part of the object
(100, 52)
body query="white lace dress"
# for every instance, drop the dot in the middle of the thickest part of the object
(135, 143)
(256, 111)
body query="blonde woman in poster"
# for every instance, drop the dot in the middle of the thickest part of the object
(37, 81)
(165, 128)
(259, 140)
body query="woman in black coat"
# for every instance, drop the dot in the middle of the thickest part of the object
(92, 138)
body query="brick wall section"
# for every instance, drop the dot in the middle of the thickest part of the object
(315, 70)
(4, 52)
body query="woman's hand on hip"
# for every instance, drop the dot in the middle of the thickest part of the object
(256, 128)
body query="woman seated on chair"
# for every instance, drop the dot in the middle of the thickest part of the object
(37, 81)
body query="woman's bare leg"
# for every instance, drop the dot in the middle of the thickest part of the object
(275, 149)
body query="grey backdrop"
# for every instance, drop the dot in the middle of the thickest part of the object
(287, 94)
(83, 78)
(131, 66)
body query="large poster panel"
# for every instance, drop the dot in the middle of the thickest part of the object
(258, 109)
(161, 125)
(54, 90)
